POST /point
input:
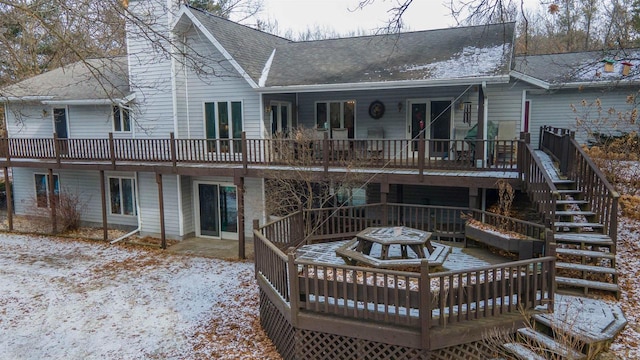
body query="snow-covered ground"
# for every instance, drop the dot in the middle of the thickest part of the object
(66, 299)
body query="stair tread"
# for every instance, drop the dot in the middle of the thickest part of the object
(574, 212)
(582, 238)
(561, 280)
(563, 181)
(522, 352)
(550, 344)
(577, 224)
(589, 253)
(572, 201)
(583, 267)
(569, 191)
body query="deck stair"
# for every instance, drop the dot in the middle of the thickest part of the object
(578, 328)
(586, 254)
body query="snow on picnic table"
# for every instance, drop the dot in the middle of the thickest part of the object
(66, 299)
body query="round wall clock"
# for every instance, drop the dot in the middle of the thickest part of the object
(376, 109)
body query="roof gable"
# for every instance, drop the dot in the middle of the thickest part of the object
(247, 49)
(579, 68)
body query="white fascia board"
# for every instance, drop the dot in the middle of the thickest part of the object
(83, 102)
(25, 98)
(218, 46)
(383, 85)
(530, 79)
(595, 84)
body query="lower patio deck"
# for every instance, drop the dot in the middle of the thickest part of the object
(313, 304)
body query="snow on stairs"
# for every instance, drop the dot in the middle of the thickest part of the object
(586, 256)
(549, 346)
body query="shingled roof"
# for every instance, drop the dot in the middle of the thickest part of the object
(579, 68)
(251, 48)
(445, 54)
(92, 79)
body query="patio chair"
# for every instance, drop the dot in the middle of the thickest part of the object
(461, 149)
(505, 147)
(340, 137)
(375, 145)
(318, 142)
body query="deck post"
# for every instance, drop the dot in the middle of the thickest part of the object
(56, 147)
(425, 301)
(325, 152)
(480, 135)
(239, 182)
(112, 151)
(172, 145)
(163, 238)
(103, 197)
(245, 155)
(9, 198)
(421, 155)
(294, 295)
(52, 202)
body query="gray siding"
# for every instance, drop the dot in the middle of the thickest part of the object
(554, 109)
(84, 121)
(394, 121)
(187, 204)
(150, 206)
(85, 184)
(223, 84)
(505, 103)
(150, 70)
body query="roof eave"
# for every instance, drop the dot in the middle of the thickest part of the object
(383, 85)
(594, 84)
(25, 98)
(530, 79)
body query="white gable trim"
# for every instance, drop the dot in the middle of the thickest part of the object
(530, 79)
(267, 68)
(186, 12)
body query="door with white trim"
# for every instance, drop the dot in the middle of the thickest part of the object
(216, 209)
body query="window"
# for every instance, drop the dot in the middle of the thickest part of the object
(42, 189)
(121, 119)
(223, 124)
(336, 114)
(122, 194)
(351, 196)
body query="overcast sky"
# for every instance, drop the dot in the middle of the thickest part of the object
(299, 15)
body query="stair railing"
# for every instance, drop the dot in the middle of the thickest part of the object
(579, 167)
(537, 183)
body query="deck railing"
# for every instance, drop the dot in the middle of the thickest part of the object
(420, 300)
(417, 154)
(578, 166)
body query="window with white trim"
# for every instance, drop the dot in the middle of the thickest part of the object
(122, 195)
(121, 119)
(336, 114)
(42, 189)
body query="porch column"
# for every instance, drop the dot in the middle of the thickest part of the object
(239, 182)
(473, 198)
(163, 238)
(52, 202)
(384, 194)
(480, 134)
(9, 198)
(103, 196)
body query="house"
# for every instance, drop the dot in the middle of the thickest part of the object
(178, 145)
